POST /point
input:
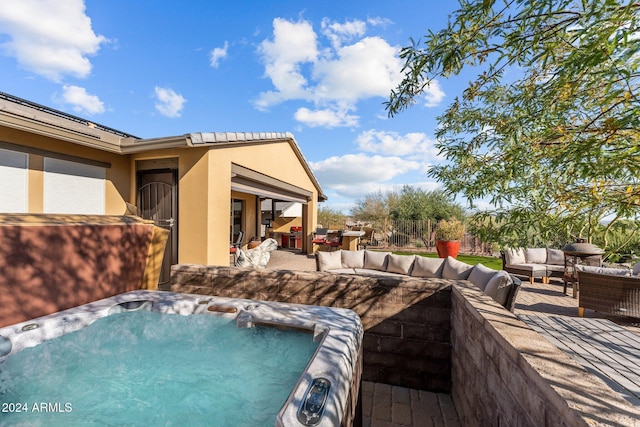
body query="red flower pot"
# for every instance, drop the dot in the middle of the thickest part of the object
(447, 248)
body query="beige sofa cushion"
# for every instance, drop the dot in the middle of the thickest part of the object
(400, 264)
(555, 257)
(375, 260)
(454, 269)
(514, 256)
(604, 270)
(329, 260)
(376, 273)
(552, 268)
(352, 259)
(495, 287)
(636, 269)
(535, 255)
(481, 275)
(427, 267)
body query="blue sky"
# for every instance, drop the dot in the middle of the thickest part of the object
(320, 70)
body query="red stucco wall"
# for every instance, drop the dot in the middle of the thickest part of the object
(51, 263)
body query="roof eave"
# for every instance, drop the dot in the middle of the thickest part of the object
(230, 138)
(132, 146)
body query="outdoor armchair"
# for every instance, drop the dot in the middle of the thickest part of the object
(233, 249)
(320, 236)
(608, 291)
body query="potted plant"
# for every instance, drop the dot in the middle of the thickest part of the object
(448, 236)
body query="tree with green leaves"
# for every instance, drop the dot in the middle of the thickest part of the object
(409, 203)
(372, 208)
(416, 204)
(328, 217)
(548, 131)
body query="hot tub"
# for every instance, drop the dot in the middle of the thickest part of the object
(325, 394)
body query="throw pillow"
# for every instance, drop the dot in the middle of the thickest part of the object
(375, 260)
(481, 275)
(636, 269)
(427, 267)
(329, 260)
(604, 270)
(514, 256)
(352, 259)
(496, 285)
(400, 264)
(536, 255)
(555, 256)
(454, 269)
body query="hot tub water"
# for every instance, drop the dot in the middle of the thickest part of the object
(167, 358)
(146, 368)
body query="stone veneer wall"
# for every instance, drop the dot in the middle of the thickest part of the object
(352, 416)
(506, 374)
(437, 335)
(406, 321)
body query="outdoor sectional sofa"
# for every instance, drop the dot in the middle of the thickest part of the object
(498, 284)
(609, 290)
(534, 263)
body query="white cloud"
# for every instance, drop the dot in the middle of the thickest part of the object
(169, 103)
(294, 43)
(218, 54)
(340, 33)
(367, 68)
(360, 169)
(81, 101)
(358, 192)
(378, 21)
(326, 118)
(49, 37)
(335, 77)
(413, 144)
(433, 94)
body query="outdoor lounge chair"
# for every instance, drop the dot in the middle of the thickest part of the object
(320, 236)
(367, 239)
(608, 293)
(233, 249)
(335, 242)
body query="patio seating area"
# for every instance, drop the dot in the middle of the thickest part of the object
(385, 405)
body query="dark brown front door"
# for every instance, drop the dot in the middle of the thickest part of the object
(158, 201)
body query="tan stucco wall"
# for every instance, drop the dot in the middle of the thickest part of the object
(204, 191)
(117, 189)
(283, 225)
(277, 160)
(193, 193)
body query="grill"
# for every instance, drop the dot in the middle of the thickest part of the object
(579, 253)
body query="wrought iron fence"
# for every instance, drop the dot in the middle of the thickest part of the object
(420, 234)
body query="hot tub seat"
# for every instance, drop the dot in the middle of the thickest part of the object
(498, 284)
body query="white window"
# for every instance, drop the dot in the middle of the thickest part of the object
(73, 188)
(13, 181)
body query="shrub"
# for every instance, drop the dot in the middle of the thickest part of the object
(449, 230)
